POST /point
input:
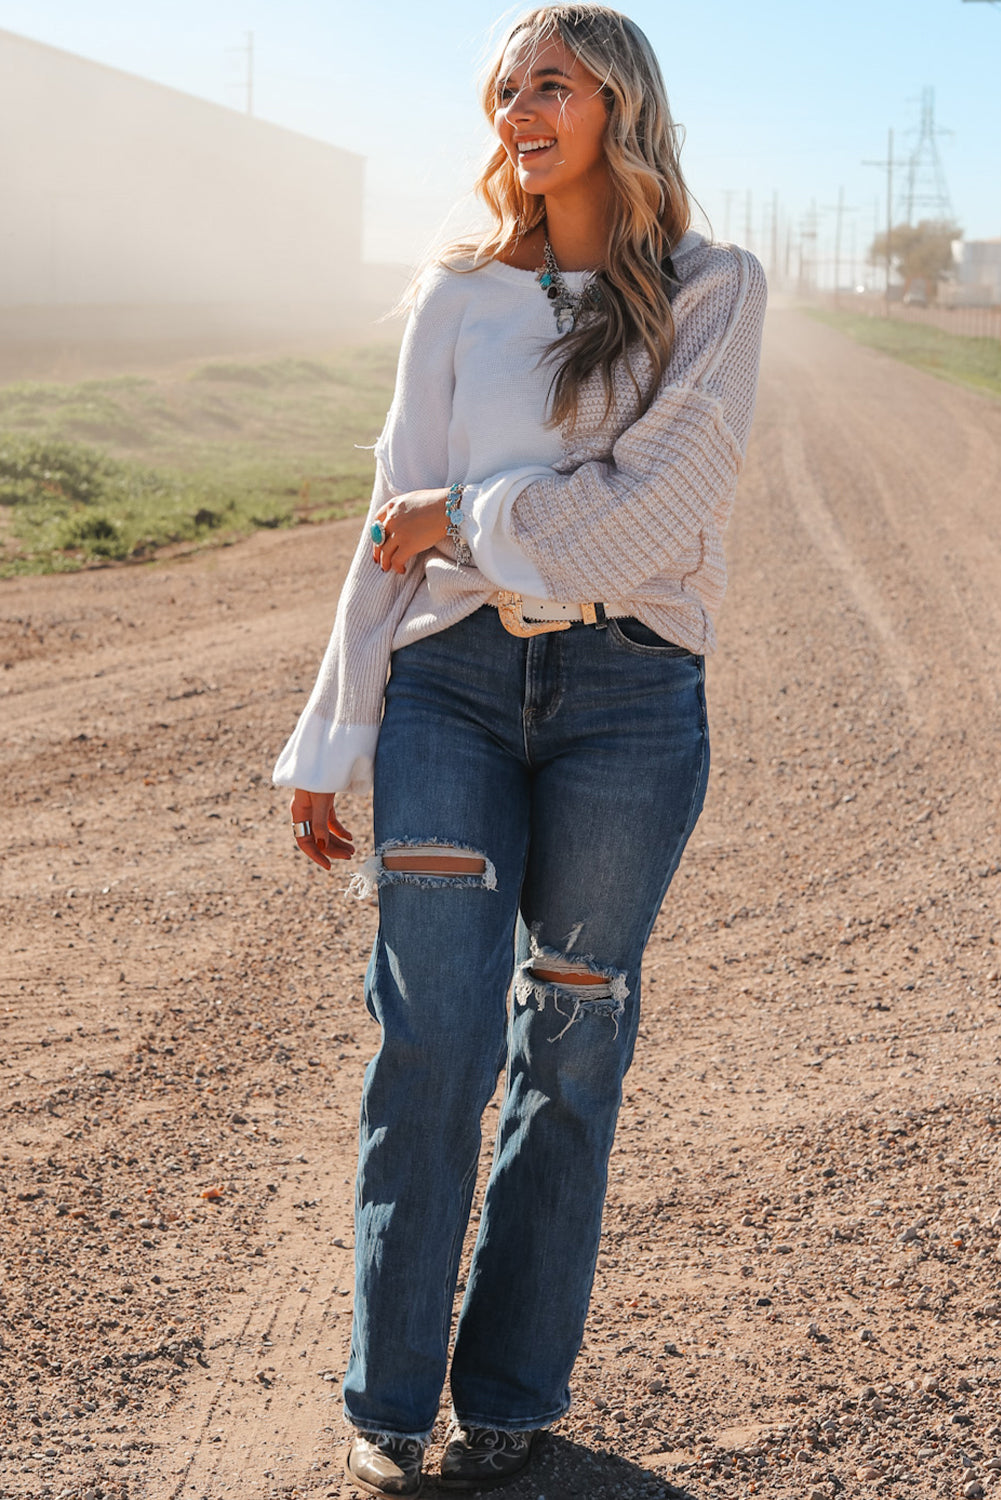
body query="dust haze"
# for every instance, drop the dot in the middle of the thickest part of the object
(141, 225)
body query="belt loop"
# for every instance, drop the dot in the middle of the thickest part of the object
(600, 618)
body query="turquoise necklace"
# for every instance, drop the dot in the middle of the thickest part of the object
(568, 306)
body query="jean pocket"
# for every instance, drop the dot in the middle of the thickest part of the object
(631, 633)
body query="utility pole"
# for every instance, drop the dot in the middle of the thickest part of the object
(787, 270)
(728, 196)
(808, 252)
(888, 166)
(748, 221)
(839, 213)
(773, 266)
(248, 52)
(250, 72)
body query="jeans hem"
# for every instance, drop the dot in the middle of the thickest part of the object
(372, 1429)
(498, 1424)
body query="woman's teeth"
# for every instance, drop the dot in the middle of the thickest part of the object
(526, 146)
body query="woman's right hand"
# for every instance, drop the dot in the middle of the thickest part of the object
(327, 839)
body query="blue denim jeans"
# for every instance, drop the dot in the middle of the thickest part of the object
(575, 764)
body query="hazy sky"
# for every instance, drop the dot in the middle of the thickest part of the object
(781, 97)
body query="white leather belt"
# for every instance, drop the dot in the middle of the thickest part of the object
(522, 614)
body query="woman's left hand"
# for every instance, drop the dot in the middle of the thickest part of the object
(414, 522)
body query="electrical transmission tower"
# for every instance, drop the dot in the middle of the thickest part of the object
(926, 194)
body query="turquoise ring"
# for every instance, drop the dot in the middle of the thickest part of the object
(378, 533)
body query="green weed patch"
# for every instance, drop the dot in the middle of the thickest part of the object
(967, 361)
(114, 470)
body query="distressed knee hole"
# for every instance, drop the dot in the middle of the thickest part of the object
(430, 865)
(568, 976)
(573, 988)
(430, 860)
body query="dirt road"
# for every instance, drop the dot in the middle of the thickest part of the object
(800, 1289)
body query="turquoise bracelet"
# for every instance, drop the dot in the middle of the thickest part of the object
(453, 514)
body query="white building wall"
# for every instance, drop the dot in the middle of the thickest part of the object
(979, 267)
(116, 190)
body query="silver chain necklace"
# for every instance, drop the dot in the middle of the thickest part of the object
(568, 306)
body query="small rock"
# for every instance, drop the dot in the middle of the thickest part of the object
(962, 1384)
(929, 1383)
(804, 1456)
(866, 1336)
(993, 1465)
(974, 1490)
(868, 1471)
(992, 1309)
(655, 1387)
(816, 1494)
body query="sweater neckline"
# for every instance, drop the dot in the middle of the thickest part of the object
(515, 276)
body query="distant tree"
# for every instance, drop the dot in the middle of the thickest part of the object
(919, 252)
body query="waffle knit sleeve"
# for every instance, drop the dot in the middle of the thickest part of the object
(332, 747)
(657, 507)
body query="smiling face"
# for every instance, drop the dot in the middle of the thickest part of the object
(550, 115)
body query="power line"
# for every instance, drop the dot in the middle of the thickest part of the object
(926, 184)
(839, 211)
(887, 166)
(248, 50)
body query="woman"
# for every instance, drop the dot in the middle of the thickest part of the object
(541, 563)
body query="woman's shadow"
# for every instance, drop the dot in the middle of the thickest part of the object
(564, 1470)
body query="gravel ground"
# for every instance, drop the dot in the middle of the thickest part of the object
(800, 1287)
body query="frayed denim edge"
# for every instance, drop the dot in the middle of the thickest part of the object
(531, 1424)
(372, 874)
(379, 1432)
(529, 989)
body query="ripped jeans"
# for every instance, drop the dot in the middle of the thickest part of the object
(572, 768)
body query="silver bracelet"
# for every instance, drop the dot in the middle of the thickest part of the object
(453, 514)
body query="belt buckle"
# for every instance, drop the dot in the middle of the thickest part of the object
(509, 607)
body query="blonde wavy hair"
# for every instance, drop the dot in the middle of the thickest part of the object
(651, 202)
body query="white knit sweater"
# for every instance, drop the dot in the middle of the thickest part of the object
(620, 508)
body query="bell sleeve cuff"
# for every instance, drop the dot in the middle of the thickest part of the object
(488, 531)
(325, 757)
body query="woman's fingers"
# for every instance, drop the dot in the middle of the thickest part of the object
(337, 827)
(382, 516)
(317, 830)
(304, 827)
(394, 555)
(412, 523)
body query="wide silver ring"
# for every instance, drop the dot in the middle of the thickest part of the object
(302, 830)
(378, 533)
